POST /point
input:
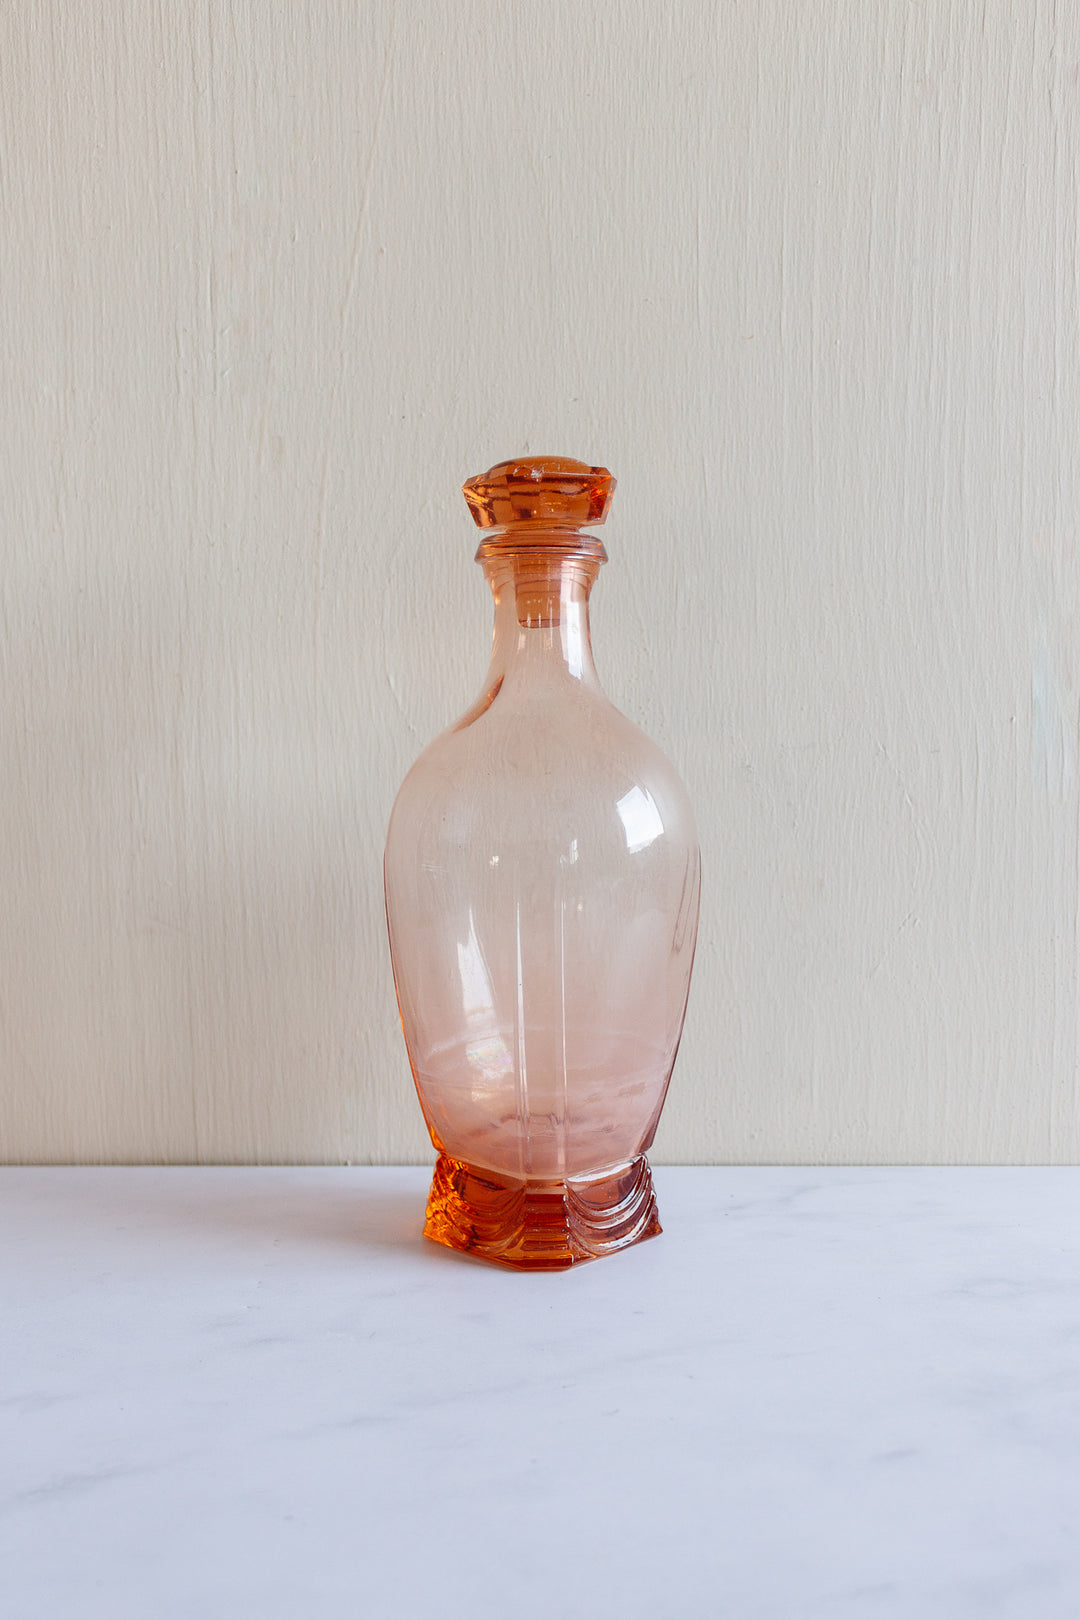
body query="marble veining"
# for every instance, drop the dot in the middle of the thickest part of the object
(819, 1393)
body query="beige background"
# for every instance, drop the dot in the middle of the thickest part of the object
(276, 278)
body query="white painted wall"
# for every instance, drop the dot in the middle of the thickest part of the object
(275, 278)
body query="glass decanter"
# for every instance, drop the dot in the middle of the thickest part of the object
(542, 880)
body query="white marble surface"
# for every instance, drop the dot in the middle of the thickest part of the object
(820, 1393)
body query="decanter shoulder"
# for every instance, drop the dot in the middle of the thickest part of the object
(512, 773)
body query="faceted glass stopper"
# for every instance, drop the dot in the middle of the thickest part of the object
(549, 491)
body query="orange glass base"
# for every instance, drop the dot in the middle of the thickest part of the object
(540, 1225)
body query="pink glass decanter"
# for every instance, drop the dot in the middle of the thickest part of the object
(542, 881)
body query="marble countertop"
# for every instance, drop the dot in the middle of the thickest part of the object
(821, 1393)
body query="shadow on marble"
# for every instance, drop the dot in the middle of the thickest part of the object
(286, 1209)
(327, 1217)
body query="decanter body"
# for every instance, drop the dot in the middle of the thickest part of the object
(542, 881)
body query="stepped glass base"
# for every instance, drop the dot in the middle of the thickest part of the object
(540, 1225)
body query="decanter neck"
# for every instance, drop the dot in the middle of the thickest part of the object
(542, 613)
(540, 559)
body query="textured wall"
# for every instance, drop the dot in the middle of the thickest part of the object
(274, 279)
